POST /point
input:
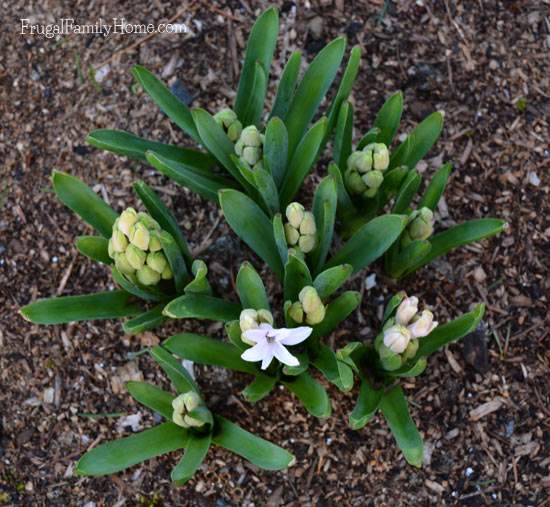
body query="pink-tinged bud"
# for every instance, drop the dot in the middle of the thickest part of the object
(396, 338)
(423, 325)
(406, 310)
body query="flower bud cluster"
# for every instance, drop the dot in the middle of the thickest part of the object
(300, 230)
(309, 308)
(365, 168)
(183, 405)
(251, 319)
(399, 340)
(249, 147)
(227, 119)
(420, 226)
(136, 248)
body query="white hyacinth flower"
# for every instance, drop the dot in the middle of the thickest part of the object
(269, 343)
(396, 338)
(406, 311)
(423, 325)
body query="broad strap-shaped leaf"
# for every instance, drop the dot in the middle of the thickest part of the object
(345, 207)
(397, 263)
(335, 371)
(294, 371)
(258, 451)
(199, 284)
(234, 333)
(145, 321)
(180, 377)
(393, 178)
(336, 312)
(325, 202)
(416, 369)
(313, 395)
(280, 238)
(396, 412)
(330, 280)
(175, 259)
(418, 143)
(132, 146)
(205, 350)
(260, 387)
(142, 292)
(406, 193)
(346, 84)
(302, 161)
(78, 196)
(297, 276)
(252, 225)
(252, 112)
(195, 452)
(436, 188)
(94, 247)
(160, 212)
(101, 305)
(204, 183)
(463, 234)
(152, 397)
(370, 137)
(250, 288)
(199, 306)
(259, 51)
(342, 145)
(310, 92)
(388, 118)
(287, 86)
(369, 242)
(174, 108)
(393, 304)
(366, 406)
(120, 454)
(276, 149)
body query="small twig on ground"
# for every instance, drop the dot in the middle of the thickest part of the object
(65, 277)
(206, 241)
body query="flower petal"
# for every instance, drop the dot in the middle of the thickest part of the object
(255, 335)
(283, 355)
(266, 361)
(296, 335)
(256, 353)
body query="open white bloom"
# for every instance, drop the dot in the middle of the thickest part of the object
(406, 310)
(423, 325)
(270, 342)
(396, 338)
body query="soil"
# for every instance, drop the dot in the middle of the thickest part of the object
(482, 405)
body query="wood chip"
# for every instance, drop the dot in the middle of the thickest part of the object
(487, 408)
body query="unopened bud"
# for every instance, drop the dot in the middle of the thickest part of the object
(248, 319)
(411, 350)
(234, 131)
(135, 257)
(147, 276)
(363, 163)
(316, 316)
(139, 236)
(250, 136)
(126, 220)
(312, 305)
(296, 312)
(295, 214)
(307, 243)
(119, 241)
(157, 261)
(407, 309)
(166, 273)
(122, 264)
(154, 242)
(379, 155)
(225, 117)
(308, 224)
(148, 221)
(292, 235)
(239, 146)
(251, 155)
(421, 225)
(396, 338)
(354, 182)
(182, 405)
(423, 325)
(265, 316)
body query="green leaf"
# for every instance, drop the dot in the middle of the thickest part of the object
(199, 306)
(312, 394)
(346, 84)
(436, 188)
(260, 387)
(342, 145)
(345, 206)
(370, 137)
(259, 51)
(310, 92)
(78, 196)
(391, 184)
(160, 212)
(101, 305)
(205, 350)
(132, 146)
(468, 232)
(369, 242)
(142, 292)
(324, 211)
(394, 407)
(174, 108)
(233, 330)
(330, 280)
(195, 452)
(410, 255)
(252, 225)
(418, 143)
(297, 276)
(152, 397)
(280, 237)
(175, 259)
(276, 149)
(204, 183)
(94, 247)
(250, 288)
(335, 371)
(199, 284)
(336, 312)
(302, 161)
(145, 321)
(410, 371)
(287, 86)
(252, 112)
(120, 454)
(393, 304)
(294, 371)
(388, 118)
(366, 406)
(406, 193)
(173, 368)
(258, 451)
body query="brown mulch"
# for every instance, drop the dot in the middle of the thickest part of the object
(482, 405)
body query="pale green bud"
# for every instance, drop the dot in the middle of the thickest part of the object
(250, 136)
(411, 350)
(239, 146)
(265, 316)
(110, 249)
(352, 159)
(157, 261)
(122, 264)
(312, 305)
(225, 117)
(166, 273)
(363, 162)
(182, 405)
(135, 257)
(354, 182)
(421, 225)
(248, 319)
(379, 155)
(147, 276)
(191, 400)
(307, 243)
(148, 221)
(234, 131)
(316, 316)
(296, 312)
(118, 241)
(373, 179)
(308, 224)
(192, 422)
(154, 242)
(295, 214)
(139, 236)
(126, 220)
(291, 234)
(251, 155)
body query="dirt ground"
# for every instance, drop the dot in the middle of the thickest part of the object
(482, 406)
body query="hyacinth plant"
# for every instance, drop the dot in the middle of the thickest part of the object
(189, 425)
